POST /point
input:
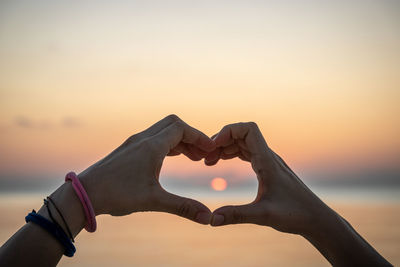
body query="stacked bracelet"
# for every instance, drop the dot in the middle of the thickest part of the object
(46, 203)
(54, 230)
(83, 197)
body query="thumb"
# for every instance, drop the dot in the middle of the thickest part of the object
(184, 207)
(249, 213)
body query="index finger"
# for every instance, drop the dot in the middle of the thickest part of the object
(249, 132)
(178, 132)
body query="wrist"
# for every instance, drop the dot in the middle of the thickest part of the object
(70, 206)
(324, 221)
(330, 235)
(91, 186)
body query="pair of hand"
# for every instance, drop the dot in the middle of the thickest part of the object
(127, 180)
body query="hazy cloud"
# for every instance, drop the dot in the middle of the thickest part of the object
(24, 122)
(71, 122)
(29, 123)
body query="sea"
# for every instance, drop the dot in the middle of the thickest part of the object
(161, 239)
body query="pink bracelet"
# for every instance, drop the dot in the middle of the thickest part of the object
(87, 205)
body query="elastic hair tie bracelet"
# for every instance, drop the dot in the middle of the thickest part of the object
(87, 205)
(54, 230)
(46, 203)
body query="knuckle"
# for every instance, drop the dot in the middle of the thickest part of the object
(265, 212)
(131, 139)
(184, 208)
(252, 125)
(172, 118)
(180, 124)
(237, 216)
(226, 127)
(240, 125)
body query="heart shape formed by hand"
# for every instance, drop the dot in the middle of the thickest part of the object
(282, 200)
(240, 140)
(127, 180)
(227, 182)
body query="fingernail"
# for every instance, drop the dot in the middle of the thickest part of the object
(217, 219)
(211, 158)
(203, 217)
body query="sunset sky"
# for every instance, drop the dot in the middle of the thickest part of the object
(321, 79)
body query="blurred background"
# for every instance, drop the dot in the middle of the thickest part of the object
(320, 78)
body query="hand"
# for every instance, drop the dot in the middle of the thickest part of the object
(283, 201)
(127, 180)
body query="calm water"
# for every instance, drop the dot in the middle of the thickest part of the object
(156, 239)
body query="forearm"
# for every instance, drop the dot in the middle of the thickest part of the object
(34, 246)
(340, 244)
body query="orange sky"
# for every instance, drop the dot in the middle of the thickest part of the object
(320, 79)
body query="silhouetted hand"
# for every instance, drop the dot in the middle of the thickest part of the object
(127, 180)
(285, 203)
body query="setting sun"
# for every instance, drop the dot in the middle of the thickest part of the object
(218, 184)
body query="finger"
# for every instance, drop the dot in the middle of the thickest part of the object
(224, 156)
(167, 139)
(184, 207)
(197, 138)
(183, 148)
(249, 213)
(179, 149)
(173, 153)
(200, 154)
(228, 156)
(242, 145)
(248, 132)
(191, 154)
(261, 158)
(213, 157)
(246, 155)
(213, 137)
(155, 128)
(231, 149)
(239, 146)
(242, 157)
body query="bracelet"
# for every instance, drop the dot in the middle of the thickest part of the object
(46, 203)
(87, 205)
(54, 230)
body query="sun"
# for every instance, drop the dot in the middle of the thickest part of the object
(218, 184)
